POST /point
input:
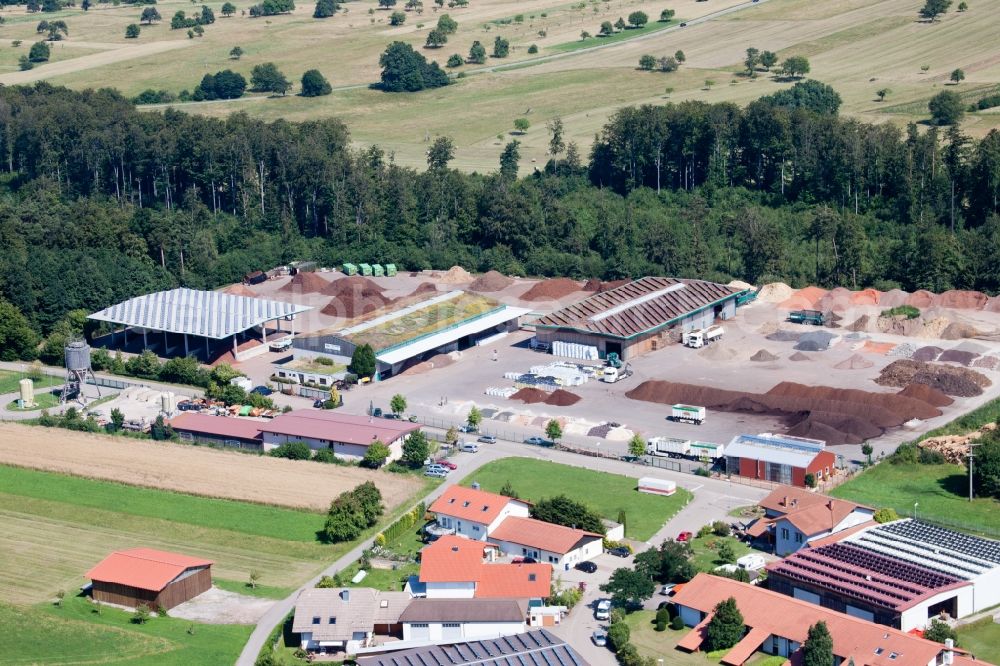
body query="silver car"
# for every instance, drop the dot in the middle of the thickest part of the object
(600, 638)
(436, 471)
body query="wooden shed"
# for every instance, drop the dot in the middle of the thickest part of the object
(152, 577)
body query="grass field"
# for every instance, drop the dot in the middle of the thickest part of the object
(43, 400)
(605, 493)
(706, 551)
(9, 381)
(76, 634)
(941, 490)
(982, 638)
(661, 644)
(59, 526)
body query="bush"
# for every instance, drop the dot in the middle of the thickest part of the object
(292, 451)
(946, 108)
(720, 528)
(325, 456)
(931, 457)
(618, 635)
(533, 49)
(662, 618)
(885, 515)
(702, 471)
(905, 454)
(677, 623)
(314, 84)
(810, 480)
(907, 311)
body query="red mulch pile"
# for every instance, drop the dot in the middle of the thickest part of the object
(354, 296)
(926, 393)
(551, 290)
(240, 290)
(491, 281)
(845, 416)
(561, 398)
(593, 284)
(424, 288)
(305, 283)
(966, 300)
(530, 395)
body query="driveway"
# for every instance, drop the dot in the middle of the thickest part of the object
(577, 627)
(217, 606)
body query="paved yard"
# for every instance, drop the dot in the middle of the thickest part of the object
(221, 607)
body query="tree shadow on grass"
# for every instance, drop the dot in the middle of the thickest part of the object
(955, 484)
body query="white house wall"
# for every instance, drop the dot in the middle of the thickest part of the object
(480, 531)
(341, 450)
(587, 551)
(916, 617)
(466, 631)
(463, 590)
(987, 590)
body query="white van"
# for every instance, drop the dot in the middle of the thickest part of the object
(469, 447)
(603, 610)
(751, 562)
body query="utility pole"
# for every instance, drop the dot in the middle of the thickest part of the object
(971, 456)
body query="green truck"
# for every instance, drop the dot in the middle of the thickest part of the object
(814, 317)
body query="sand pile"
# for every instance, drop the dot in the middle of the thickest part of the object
(860, 324)
(949, 380)
(775, 292)
(993, 304)
(899, 325)
(769, 327)
(456, 275)
(843, 415)
(835, 300)
(491, 281)
(804, 299)
(920, 299)
(927, 354)
(799, 356)
(763, 355)
(739, 284)
(893, 298)
(424, 288)
(929, 395)
(305, 283)
(987, 362)
(562, 398)
(964, 300)
(933, 328)
(958, 331)
(530, 395)
(855, 362)
(958, 356)
(782, 335)
(353, 297)
(240, 290)
(718, 352)
(866, 297)
(551, 290)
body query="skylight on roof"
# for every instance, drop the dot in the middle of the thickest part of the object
(621, 307)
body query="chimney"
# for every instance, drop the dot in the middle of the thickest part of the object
(829, 504)
(949, 652)
(345, 595)
(784, 501)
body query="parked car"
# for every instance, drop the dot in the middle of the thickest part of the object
(667, 589)
(684, 25)
(444, 462)
(469, 447)
(684, 536)
(436, 471)
(524, 560)
(538, 441)
(487, 439)
(586, 567)
(261, 390)
(377, 411)
(620, 551)
(600, 638)
(468, 428)
(391, 416)
(603, 609)
(413, 418)
(281, 345)
(318, 404)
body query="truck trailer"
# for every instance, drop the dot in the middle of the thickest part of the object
(668, 447)
(687, 414)
(703, 336)
(706, 450)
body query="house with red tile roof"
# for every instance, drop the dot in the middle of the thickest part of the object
(454, 567)
(154, 578)
(474, 513)
(347, 435)
(778, 625)
(795, 517)
(554, 544)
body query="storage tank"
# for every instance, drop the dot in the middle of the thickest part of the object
(77, 355)
(27, 392)
(167, 402)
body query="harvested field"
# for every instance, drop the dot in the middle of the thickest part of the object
(949, 380)
(551, 290)
(305, 283)
(842, 415)
(923, 392)
(491, 281)
(191, 469)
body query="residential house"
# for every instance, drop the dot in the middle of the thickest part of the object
(474, 513)
(546, 542)
(346, 619)
(528, 649)
(795, 518)
(437, 620)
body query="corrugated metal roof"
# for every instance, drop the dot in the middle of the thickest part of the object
(638, 306)
(462, 610)
(144, 568)
(208, 314)
(532, 648)
(773, 452)
(334, 427)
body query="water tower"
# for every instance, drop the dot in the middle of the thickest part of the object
(78, 369)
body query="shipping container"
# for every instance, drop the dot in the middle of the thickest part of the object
(654, 486)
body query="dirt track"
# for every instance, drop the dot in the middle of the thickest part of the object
(91, 60)
(191, 469)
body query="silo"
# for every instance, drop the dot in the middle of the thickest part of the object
(27, 392)
(77, 356)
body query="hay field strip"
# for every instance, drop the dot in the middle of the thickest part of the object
(193, 469)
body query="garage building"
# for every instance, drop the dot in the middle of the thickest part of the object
(154, 578)
(779, 458)
(637, 317)
(229, 431)
(347, 435)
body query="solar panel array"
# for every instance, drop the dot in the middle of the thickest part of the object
(976, 547)
(534, 648)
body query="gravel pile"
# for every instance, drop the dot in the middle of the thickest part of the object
(782, 335)
(815, 341)
(905, 350)
(948, 379)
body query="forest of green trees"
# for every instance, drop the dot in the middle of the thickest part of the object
(100, 202)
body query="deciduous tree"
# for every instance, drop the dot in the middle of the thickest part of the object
(627, 586)
(131, 31)
(266, 77)
(314, 84)
(415, 449)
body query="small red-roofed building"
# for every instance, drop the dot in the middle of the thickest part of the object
(154, 578)
(553, 544)
(474, 513)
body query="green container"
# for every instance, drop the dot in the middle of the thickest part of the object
(350, 269)
(245, 410)
(366, 270)
(390, 269)
(377, 270)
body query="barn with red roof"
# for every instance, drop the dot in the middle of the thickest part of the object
(144, 576)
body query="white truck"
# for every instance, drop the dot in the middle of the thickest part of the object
(612, 375)
(668, 447)
(703, 336)
(687, 414)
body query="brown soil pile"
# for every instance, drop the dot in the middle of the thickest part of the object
(424, 288)
(866, 297)
(926, 354)
(949, 380)
(958, 331)
(835, 299)
(899, 325)
(893, 298)
(353, 297)
(859, 324)
(799, 356)
(958, 356)
(305, 283)
(843, 415)
(456, 275)
(804, 299)
(239, 290)
(562, 398)
(855, 362)
(551, 290)
(763, 355)
(927, 394)
(965, 300)
(530, 395)
(491, 281)
(921, 298)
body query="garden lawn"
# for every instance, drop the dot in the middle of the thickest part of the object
(43, 400)
(76, 634)
(941, 490)
(706, 551)
(605, 493)
(981, 639)
(660, 644)
(9, 381)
